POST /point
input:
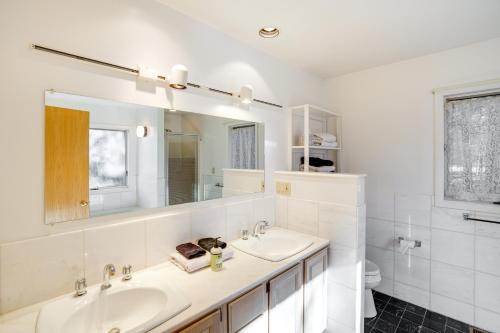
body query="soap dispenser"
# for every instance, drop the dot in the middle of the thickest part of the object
(216, 257)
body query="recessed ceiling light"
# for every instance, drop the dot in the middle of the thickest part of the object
(269, 32)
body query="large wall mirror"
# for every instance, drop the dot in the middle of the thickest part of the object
(105, 157)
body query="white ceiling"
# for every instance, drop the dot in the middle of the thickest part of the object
(334, 37)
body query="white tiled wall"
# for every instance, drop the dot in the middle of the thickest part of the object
(455, 272)
(39, 269)
(337, 213)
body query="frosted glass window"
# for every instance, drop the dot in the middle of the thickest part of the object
(243, 149)
(108, 158)
(472, 149)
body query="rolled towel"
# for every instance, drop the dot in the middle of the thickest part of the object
(191, 265)
(324, 137)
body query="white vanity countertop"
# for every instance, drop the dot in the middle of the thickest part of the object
(207, 290)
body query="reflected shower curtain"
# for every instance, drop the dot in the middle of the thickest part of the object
(472, 151)
(243, 149)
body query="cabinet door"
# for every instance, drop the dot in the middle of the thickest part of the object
(315, 292)
(248, 313)
(209, 324)
(286, 301)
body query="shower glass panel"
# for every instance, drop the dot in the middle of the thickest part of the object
(182, 167)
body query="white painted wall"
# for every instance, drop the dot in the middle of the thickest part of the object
(129, 33)
(388, 134)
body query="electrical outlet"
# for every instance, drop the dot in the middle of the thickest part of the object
(283, 188)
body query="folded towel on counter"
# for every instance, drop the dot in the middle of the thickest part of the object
(317, 162)
(190, 250)
(191, 265)
(325, 144)
(318, 169)
(208, 243)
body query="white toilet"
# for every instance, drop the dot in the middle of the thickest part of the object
(372, 279)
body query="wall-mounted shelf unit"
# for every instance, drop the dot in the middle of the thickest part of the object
(305, 121)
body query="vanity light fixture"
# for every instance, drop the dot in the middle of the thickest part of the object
(141, 131)
(178, 77)
(246, 94)
(269, 32)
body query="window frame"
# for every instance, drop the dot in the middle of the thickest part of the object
(440, 98)
(128, 153)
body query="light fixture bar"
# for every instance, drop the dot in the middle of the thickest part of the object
(134, 71)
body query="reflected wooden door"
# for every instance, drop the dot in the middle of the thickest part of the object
(66, 164)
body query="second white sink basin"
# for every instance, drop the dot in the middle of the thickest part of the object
(275, 245)
(135, 306)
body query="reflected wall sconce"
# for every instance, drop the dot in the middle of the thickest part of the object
(246, 94)
(141, 131)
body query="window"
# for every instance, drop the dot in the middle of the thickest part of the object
(243, 147)
(472, 149)
(467, 148)
(107, 158)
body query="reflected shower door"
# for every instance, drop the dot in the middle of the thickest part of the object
(181, 167)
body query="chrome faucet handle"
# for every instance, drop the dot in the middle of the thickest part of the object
(127, 272)
(80, 287)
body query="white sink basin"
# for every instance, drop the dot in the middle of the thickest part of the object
(135, 306)
(275, 245)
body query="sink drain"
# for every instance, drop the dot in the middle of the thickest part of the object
(114, 330)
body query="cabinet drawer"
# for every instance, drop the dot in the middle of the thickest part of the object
(247, 308)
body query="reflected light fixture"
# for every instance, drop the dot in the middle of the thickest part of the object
(269, 32)
(141, 131)
(178, 77)
(246, 94)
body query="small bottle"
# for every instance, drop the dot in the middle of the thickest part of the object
(216, 257)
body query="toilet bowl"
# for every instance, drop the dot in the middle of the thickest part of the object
(372, 280)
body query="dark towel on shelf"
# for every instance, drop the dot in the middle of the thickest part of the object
(209, 243)
(317, 162)
(190, 250)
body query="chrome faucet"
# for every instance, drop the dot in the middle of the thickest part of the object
(80, 287)
(260, 228)
(109, 271)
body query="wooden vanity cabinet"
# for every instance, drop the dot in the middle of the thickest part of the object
(292, 302)
(212, 323)
(315, 292)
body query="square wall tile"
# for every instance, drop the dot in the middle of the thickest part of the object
(380, 233)
(119, 244)
(239, 216)
(35, 270)
(281, 212)
(453, 281)
(208, 222)
(487, 320)
(411, 294)
(380, 203)
(163, 234)
(488, 255)
(452, 308)
(415, 232)
(386, 286)
(487, 291)
(334, 326)
(488, 229)
(303, 216)
(413, 271)
(339, 223)
(342, 304)
(453, 248)
(342, 266)
(384, 260)
(264, 209)
(413, 209)
(451, 219)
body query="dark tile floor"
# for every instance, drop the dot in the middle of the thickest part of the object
(395, 315)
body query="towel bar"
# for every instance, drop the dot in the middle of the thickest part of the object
(468, 218)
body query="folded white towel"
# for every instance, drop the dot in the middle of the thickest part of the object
(318, 169)
(191, 265)
(324, 137)
(325, 144)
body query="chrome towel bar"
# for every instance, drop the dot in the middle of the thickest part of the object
(468, 218)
